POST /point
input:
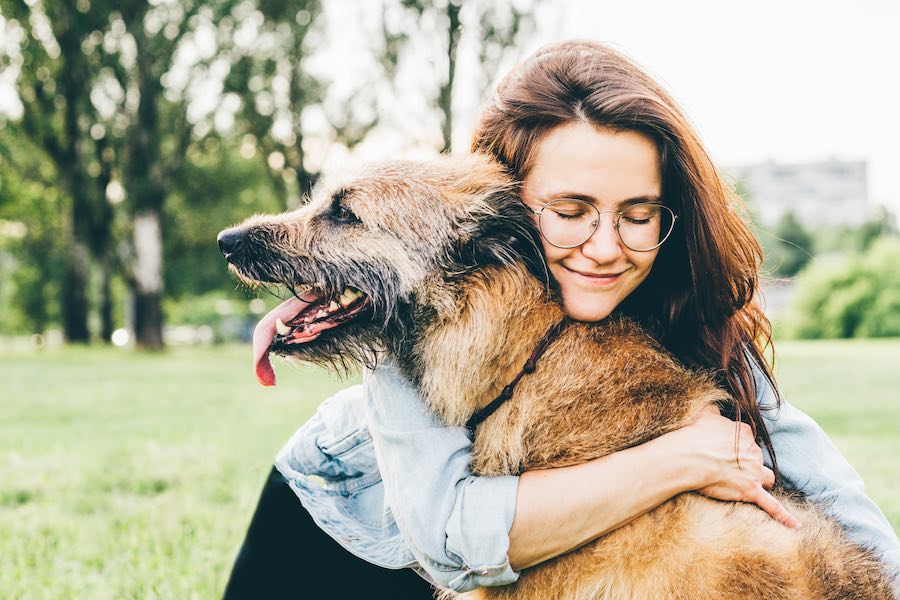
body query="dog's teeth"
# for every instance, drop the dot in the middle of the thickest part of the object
(348, 296)
(333, 306)
(281, 328)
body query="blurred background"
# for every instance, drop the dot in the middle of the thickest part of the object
(133, 437)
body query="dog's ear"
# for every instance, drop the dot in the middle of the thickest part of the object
(504, 235)
(498, 229)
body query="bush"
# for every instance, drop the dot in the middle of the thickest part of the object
(230, 316)
(790, 247)
(855, 296)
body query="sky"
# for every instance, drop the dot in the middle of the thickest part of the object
(791, 81)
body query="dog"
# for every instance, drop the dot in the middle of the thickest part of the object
(438, 264)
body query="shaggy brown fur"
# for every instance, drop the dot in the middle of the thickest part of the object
(464, 316)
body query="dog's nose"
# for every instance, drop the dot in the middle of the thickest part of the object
(231, 241)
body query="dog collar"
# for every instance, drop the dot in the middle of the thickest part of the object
(530, 366)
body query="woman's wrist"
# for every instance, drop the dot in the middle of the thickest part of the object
(600, 495)
(683, 465)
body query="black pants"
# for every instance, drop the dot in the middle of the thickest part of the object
(286, 555)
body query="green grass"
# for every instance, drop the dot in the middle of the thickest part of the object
(852, 389)
(125, 475)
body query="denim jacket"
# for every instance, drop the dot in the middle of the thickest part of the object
(430, 513)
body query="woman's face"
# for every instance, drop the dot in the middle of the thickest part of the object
(610, 169)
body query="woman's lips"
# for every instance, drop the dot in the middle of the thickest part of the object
(598, 279)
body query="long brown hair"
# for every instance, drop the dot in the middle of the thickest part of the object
(698, 299)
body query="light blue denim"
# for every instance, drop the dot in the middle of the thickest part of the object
(429, 512)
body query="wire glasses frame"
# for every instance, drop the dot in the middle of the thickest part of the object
(569, 223)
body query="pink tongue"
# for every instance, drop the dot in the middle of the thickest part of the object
(265, 333)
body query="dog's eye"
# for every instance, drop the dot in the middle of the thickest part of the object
(344, 215)
(340, 212)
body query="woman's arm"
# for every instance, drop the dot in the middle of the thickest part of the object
(606, 493)
(454, 523)
(558, 510)
(469, 531)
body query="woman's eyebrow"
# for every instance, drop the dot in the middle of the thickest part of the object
(593, 200)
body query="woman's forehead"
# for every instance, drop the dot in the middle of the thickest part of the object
(599, 165)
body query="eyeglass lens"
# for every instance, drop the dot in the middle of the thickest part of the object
(570, 223)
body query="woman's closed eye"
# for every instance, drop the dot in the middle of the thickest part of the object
(570, 215)
(640, 215)
(571, 211)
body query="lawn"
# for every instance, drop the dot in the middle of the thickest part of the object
(124, 475)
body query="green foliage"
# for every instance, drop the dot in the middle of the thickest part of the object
(207, 309)
(33, 242)
(791, 248)
(229, 315)
(214, 189)
(854, 296)
(855, 239)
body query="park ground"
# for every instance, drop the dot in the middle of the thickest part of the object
(128, 475)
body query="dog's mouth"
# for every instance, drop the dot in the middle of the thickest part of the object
(300, 320)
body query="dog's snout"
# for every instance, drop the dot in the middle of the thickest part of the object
(231, 241)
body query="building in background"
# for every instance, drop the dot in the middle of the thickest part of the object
(820, 194)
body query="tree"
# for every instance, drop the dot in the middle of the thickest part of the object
(225, 188)
(123, 74)
(853, 296)
(278, 89)
(32, 250)
(57, 116)
(794, 246)
(154, 44)
(495, 28)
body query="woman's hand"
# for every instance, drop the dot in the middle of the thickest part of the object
(729, 463)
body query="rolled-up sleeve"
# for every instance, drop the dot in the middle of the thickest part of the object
(810, 462)
(456, 524)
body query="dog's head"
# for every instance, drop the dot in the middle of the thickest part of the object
(371, 255)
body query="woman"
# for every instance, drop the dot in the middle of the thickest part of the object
(576, 122)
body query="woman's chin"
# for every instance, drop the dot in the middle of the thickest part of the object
(588, 311)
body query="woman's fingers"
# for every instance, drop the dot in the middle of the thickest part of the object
(768, 478)
(776, 510)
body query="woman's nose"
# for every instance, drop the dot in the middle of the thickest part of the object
(604, 245)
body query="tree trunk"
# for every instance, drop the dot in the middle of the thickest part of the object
(102, 234)
(72, 164)
(74, 294)
(305, 179)
(148, 280)
(445, 98)
(145, 175)
(107, 325)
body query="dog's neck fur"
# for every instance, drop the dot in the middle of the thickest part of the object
(465, 357)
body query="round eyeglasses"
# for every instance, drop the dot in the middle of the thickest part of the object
(569, 223)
